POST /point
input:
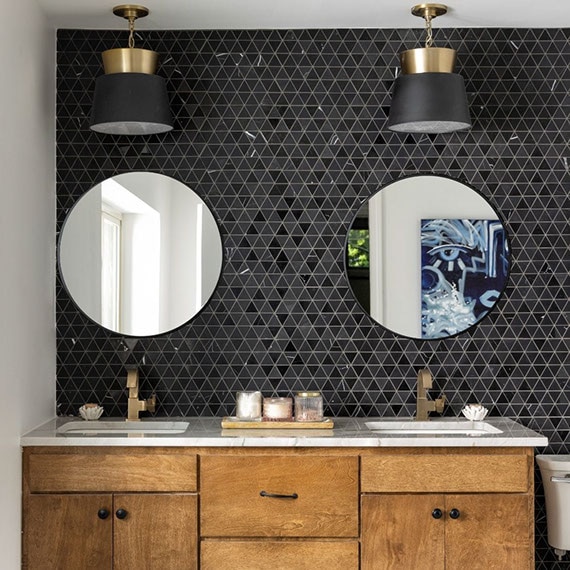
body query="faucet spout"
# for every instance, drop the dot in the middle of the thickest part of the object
(134, 404)
(423, 405)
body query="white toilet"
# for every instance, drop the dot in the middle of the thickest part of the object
(555, 471)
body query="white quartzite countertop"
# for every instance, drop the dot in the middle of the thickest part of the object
(347, 432)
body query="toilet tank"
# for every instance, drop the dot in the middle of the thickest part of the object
(555, 472)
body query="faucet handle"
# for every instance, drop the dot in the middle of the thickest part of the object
(151, 403)
(440, 404)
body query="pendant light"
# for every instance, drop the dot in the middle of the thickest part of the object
(428, 97)
(130, 99)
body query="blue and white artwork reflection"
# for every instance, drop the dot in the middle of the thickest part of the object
(464, 269)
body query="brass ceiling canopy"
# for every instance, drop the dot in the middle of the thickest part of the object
(130, 11)
(429, 11)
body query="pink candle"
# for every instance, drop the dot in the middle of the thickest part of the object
(277, 409)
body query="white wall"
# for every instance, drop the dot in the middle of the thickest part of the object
(27, 247)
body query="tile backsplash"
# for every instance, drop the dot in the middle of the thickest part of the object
(283, 134)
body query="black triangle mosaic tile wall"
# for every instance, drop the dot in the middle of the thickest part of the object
(283, 134)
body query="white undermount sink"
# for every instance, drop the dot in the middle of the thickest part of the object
(433, 427)
(122, 427)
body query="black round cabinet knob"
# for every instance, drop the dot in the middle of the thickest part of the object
(437, 513)
(454, 513)
(121, 514)
(103, 514)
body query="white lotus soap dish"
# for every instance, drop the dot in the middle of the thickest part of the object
(90, 412)
(475, 412)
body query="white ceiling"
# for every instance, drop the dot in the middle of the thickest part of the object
(299, 14)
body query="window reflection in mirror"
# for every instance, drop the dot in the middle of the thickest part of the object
(111, 238)
(427, 257)
(140, 254)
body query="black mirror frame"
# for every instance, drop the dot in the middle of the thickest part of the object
(59, 272)
(507, 241)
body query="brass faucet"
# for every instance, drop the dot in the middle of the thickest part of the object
(136, 405)
(423, 405)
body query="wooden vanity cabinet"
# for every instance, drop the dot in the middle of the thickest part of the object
(278, 508)
(455, 511)
(105, 508)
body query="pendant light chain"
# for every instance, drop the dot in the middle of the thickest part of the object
(132, 32)
(429, 31)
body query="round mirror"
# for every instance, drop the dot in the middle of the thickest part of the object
(140, 254)
(427, 257)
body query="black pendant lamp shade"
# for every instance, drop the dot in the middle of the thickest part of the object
(428, 97)
(429, 103)
(130, 99)
(130, 104)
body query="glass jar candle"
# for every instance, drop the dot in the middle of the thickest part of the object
(278, 409)
(308, 407)
(248, 406)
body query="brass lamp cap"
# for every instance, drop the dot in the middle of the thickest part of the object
(130, 60)
(428, 60)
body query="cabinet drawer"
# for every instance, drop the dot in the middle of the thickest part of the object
(445, 473)
(101, 471)
(260, 555)
(232, 505)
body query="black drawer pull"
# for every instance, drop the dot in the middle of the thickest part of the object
(278, 496)
(454, 513)
(103, 514)
(121, 514)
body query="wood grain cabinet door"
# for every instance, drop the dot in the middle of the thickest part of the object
(403, 532)
(451, 532)
(490, 531)
(66, 532)
(155, 531)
